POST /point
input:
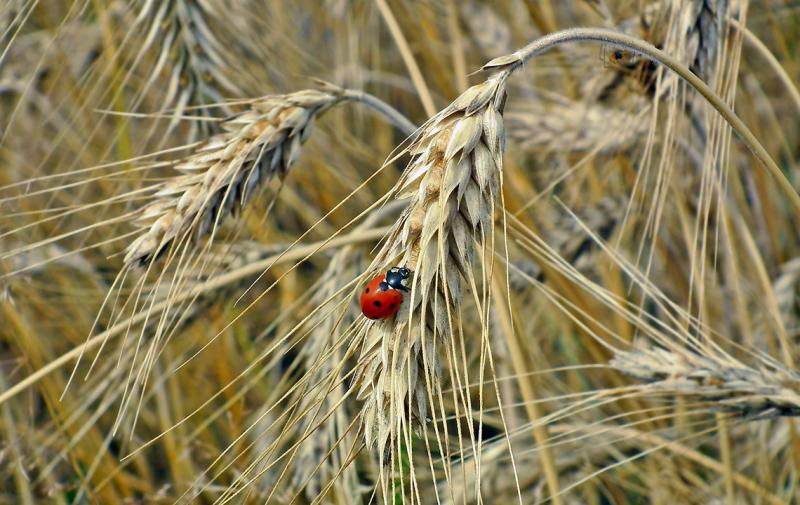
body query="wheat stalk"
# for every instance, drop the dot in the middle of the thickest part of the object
(452, 207)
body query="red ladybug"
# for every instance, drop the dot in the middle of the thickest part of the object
(383, 295)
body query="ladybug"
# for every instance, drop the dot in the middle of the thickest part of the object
(383, 295)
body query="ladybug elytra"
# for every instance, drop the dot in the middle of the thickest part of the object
(383, 295)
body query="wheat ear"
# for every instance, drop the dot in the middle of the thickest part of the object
(453, 179)
(225, 173)
(705, 20)
(195, 59)
(726, 383)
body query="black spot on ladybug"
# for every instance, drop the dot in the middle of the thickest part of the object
(366, 290)
(391, 306)
(376, 303)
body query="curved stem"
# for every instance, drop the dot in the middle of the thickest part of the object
(394, 116)
(384, 109)
(520, 57)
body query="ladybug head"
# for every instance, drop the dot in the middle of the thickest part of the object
(396, 276)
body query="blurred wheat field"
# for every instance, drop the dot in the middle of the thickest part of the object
(597, 201)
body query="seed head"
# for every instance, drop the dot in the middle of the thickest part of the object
(226, 172)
